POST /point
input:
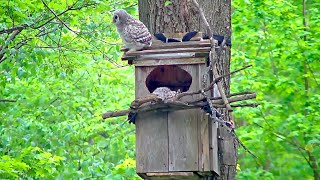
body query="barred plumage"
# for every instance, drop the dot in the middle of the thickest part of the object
(134, 34)
(165, 93)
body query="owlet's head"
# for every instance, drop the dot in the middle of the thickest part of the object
(120, 16)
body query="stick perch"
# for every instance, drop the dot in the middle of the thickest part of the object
(147, 106)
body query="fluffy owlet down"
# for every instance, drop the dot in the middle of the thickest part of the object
(165, 93)
(134, 34)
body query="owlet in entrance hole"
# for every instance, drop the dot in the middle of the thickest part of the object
(134, 34)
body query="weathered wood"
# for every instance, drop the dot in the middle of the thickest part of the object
(174, 45)
(151, 137)
(173, 175)
(203, 131)
(203, 139)
(144, 105)
(180, 16)
(228, 153)
(214, 161)
(182, 127)
(167, 51)
(169, 61)
(152, 142)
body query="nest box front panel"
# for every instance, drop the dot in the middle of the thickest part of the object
(177, 140)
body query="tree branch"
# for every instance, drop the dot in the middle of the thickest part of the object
(144, 105)
(8, 100)
(56, 16)
(6, 44)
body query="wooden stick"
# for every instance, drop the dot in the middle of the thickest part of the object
(8, 100)
(115, 114)
(209, 31)
(179, 96)
(175, 105)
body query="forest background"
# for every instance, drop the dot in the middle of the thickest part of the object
(60, 69)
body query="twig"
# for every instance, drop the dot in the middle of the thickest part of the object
(8, 100)
(147, 106)
(6, 44)
(209, 31)
(115, 114)
(213, 56)
(179, 96)
(10, 30)
(246, 105)
(45, 4)
(242, 145)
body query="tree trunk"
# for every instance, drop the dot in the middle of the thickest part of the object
(182, 16)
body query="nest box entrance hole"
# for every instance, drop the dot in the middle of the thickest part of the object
(171, 76)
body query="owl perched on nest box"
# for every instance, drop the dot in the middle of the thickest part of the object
(134, 34)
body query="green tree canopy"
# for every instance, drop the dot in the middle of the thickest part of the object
(60, 66)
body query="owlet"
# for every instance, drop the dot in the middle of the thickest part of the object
(134, 34)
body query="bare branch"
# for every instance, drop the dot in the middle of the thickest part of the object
(145, 105)
(10, 30)
(8, 100)
(179, 96)
(56, 16)
(203, 17)
(6, 44)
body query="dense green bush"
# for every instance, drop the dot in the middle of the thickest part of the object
(64, 76)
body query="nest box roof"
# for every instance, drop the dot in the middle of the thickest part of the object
(195, 48)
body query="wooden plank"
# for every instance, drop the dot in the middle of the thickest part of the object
(165, 56)
(171, 50)
(204, 149)
(214, 158)
(183, 127)
(173, 175)
(203, 132)
(173, 45)
(183, 146)
(227, 145)
(214, 135)
(169, 62)
(151, 132)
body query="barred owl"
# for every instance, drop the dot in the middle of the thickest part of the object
(165, 93)
(134, 34)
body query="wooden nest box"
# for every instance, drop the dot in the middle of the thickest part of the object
(173, 144)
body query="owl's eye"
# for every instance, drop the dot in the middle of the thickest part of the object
(115, 17)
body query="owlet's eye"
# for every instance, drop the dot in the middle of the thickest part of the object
(115, 17)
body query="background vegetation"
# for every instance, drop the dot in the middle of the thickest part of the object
(60, 65)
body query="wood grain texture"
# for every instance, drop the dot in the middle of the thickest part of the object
(151, 132)
(204, 139)
(183, 131)
(203, 130)
(169, 61)
(214, 161)
(173, 175)
(180, 16)
(168, 51)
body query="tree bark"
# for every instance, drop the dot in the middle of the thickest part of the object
(182, 16)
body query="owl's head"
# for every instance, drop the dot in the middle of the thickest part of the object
(120, 16)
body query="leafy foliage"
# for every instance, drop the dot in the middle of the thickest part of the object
(63, 81)
(65, 72)
(284, 131)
